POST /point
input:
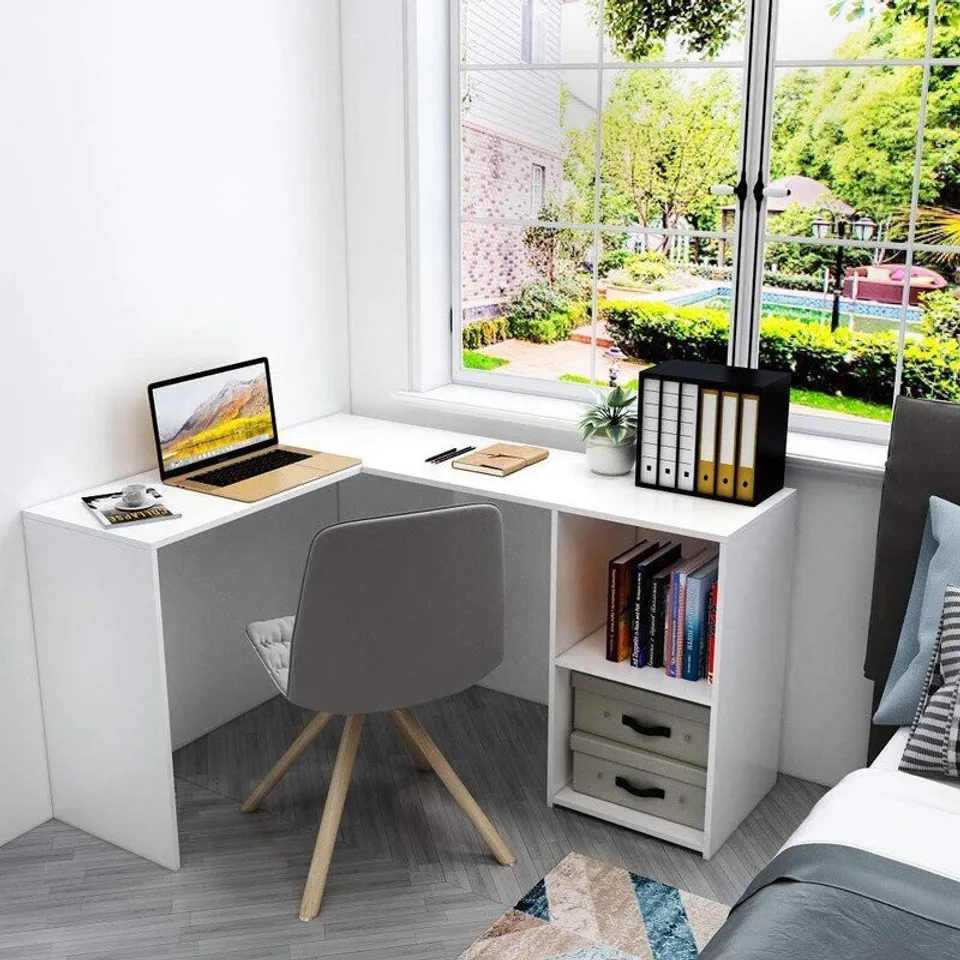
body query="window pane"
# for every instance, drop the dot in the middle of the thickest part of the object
(831, 316)
(664, 301)
(526, 301)
(527, 31)
(667, 136)
(931, 367)
(844, 145)
(515, 133)
(851, 30)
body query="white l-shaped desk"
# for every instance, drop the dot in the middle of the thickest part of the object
(140, 641)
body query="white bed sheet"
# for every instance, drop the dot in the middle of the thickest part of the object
(895, 815)
(889, 757)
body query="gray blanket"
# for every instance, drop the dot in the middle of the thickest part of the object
(828, 902)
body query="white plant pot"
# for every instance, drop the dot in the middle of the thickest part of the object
(610, 459)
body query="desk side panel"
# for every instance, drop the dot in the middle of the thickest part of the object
(756, 573)
(104, 688)
(212, 585)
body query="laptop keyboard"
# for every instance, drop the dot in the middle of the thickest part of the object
(252, 467)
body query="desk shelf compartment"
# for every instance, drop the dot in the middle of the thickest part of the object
(745, 700)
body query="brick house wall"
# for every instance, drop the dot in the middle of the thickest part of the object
(510, 121)
(497, 174)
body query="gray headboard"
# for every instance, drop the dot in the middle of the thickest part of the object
(923, 461)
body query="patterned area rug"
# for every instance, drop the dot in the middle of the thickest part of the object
(587, 910)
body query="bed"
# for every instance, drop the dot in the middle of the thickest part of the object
(874, 871)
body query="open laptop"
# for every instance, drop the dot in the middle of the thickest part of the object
(216, 432)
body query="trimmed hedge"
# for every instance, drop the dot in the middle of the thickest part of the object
(481, 333)
(558, 326)
(861, 365)
(775, 278)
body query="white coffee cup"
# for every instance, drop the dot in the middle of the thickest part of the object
(134, 494)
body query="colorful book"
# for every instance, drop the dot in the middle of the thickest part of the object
(712, 629)
(659, 606)
(641, 625)
(674, 654)
(620, 599)
(698, 587)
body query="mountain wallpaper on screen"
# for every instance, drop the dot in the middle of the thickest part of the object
(238, 414)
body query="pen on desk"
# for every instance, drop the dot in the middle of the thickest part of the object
(437, 456)
(455, 453)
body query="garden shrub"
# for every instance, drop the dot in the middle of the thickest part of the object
(535, 301)
(557, 326)
(614, 260)
(861, 365)
(941, 314)
(545, 313)
(481, 333)
(793, 281)
(709, 271)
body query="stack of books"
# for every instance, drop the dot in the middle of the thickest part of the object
(662, 609)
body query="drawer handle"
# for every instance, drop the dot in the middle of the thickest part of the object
(634, 724)
(645, 793)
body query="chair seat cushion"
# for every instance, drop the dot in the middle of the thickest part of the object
(271, 640)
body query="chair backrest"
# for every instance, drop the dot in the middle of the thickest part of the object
(923, 461)
(398, 611)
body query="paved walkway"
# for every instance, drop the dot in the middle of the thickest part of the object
(549, 361)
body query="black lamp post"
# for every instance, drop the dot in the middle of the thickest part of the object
(827, 223)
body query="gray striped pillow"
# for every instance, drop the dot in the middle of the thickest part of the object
(934, 743)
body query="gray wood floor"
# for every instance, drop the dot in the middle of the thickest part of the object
(410, 881)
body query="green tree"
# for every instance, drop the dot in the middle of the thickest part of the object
(855, 128)
(665, 140)
(639, 28)
(554, 251)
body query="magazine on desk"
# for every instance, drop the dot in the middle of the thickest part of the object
(109, 510)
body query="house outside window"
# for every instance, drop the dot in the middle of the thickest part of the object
(781, 196)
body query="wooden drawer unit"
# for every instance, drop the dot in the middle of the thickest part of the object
(657, 724)
(639, 780)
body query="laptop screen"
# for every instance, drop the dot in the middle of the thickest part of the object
(208, 417)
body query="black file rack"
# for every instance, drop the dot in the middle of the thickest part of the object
(712, 431)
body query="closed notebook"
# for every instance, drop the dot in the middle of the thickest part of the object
(501, 459)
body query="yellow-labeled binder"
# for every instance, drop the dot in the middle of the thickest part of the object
(727, 454)
(707, 458)
(746, 462)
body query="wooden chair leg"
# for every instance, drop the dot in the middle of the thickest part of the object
(420, 760)
(414, 730)
(330, 822)
(294, 752)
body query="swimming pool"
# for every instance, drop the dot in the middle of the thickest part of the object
(861, 315)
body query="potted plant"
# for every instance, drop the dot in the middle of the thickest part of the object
(609, 429)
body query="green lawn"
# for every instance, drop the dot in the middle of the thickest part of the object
(472, 360)
(848, 405)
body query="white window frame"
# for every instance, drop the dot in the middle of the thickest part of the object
(758, 69)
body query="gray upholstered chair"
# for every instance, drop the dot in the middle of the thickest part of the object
(393, 612)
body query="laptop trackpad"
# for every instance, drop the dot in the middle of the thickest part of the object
(270, 483)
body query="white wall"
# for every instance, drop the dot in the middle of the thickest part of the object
(171, 187)
(827, 701)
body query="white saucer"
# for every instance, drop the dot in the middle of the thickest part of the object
(120, 505)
